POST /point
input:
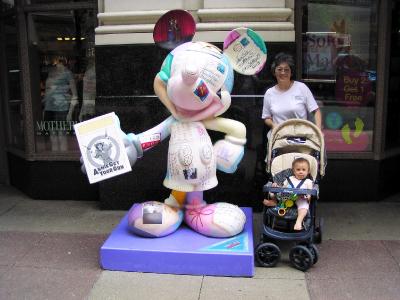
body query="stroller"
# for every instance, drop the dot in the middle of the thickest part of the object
(292, 139)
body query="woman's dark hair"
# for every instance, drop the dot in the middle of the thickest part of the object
(280, 58)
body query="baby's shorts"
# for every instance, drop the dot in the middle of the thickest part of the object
(302, 203)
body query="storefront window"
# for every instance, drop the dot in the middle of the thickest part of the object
(12, 84)
(339, 65)
(6, 5)
(62, 63)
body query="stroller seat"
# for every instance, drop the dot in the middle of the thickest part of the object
(281, 168)
(285, 223)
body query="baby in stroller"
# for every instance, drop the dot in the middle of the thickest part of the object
(299, 179)
(296, 162)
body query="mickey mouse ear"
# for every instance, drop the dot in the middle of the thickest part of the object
(174, 28)
(246, 51)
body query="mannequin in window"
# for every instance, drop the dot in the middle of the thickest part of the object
(60, 92)
(89, 88)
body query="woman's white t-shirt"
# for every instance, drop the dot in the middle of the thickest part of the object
(295, 103)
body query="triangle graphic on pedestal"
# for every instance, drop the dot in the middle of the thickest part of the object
(237, 243)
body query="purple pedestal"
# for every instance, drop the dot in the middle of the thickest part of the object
(183, 252)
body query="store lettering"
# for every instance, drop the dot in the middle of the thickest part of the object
(350, 80)
(320, 62)
(55, 125)
(351, 89)
(320, 54)
(354, 88)
(321, 41)
(352, 98)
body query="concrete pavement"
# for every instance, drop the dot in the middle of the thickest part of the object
(49, 250)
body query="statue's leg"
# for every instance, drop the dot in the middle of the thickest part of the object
(176, 199)
(215, 220)
(155, 219)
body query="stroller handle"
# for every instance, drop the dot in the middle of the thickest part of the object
(312, 192)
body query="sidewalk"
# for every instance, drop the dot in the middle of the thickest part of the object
(49, 250)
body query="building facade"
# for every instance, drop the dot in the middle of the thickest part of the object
(66, 61)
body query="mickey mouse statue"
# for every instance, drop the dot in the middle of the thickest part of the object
(194, 84)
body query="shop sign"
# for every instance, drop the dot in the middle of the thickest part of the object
(353, 88)
(320, 54)
(46, 128)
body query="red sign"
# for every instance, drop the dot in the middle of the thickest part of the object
(353, 88)
(149, 141)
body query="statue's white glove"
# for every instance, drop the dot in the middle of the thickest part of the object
(229, 153)
(132, 147)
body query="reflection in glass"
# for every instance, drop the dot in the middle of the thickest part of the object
(348, 129)
(89, 87)
(6, 5)
(60, 93)
(62, 61)
(339, 66)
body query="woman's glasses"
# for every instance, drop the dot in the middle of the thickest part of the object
(282, 70)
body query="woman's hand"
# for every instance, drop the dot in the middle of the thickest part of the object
(269, 123)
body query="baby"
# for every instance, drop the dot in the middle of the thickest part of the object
(301, 169)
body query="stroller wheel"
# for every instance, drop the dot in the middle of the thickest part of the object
(318, 231)
(313, 249)
(268, 254)
(315, 252)
(301, 257)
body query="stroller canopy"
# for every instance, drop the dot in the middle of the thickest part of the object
(297, 135)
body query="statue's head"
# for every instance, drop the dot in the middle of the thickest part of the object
(198, 72)
(199, 76)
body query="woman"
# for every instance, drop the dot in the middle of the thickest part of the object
(288, 99)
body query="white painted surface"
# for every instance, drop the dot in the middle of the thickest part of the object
(206, 36)
(134, 5)
(243, 3)
(244, 14)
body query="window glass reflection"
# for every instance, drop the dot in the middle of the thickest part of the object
(62, 57)
(339, 65)
(6, 5)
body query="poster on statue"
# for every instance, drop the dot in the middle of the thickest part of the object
(102, 147)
